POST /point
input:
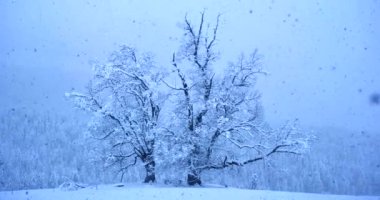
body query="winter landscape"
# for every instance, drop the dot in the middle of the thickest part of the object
(208, 99)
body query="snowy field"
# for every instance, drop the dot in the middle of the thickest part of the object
(145, 192)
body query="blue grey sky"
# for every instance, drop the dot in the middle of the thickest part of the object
(323, 56)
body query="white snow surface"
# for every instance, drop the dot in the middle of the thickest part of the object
(150, 192)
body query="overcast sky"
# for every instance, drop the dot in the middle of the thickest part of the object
(322, 55)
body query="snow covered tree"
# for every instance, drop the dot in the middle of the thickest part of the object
(210, 121)
(124, 100)
(219, 120)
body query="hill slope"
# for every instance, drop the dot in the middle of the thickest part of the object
(148, 192)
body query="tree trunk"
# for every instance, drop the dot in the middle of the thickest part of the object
(193, 178)
(150, 172)
(193, 175)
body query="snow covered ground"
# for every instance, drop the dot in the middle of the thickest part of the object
(148, 192)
